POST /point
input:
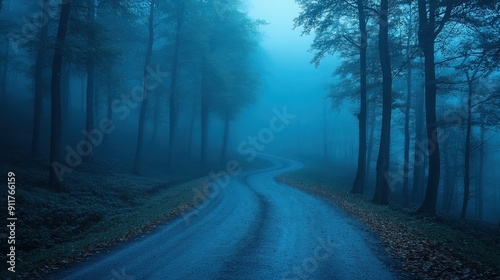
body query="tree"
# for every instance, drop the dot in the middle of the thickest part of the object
(409, 94)
(479, 61)
(90, 68)
(179, 15)
(432, 20)
(359, 181)
(229, 104)
(55, 180)
(38, 81)
(233, 56)
(144, 104)
(227, 81)
(419, 150)
(475, 66)
(330, 38)
(433, 17)
(382, 184)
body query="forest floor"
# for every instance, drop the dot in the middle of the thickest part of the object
(427, 248)
(103, 205)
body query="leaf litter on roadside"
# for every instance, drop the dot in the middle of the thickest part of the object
(420, 256)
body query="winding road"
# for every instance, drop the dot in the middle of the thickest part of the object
(254, 228)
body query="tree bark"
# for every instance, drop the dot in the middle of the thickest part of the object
(90, 69)
(325, 133)
(359, 181)
(467, 152)
(109, 112)
(406, 167)
(156, 118)
(371, 139)
(55, 179)
(205, 97)
(65, 99)
(479, 194)
(427, 35)
(419, 157)
(144, 105)
(429, 204)
(382, 183)
(39, 66)
(449, 178)
(173, 81)
(191, 128)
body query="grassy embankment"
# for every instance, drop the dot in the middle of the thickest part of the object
(103, 205)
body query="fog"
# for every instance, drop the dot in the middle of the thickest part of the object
(132, 101)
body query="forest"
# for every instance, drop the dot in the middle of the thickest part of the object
(217, 139)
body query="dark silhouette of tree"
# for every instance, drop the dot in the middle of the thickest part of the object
(409, 94)
(38, 81)
(144, 103)
(227, 82)
(90, 66)
(382, 183)
(475, 67)
(432, 19)
(419, 153)
(330, 38)
(179, 15)
(55, 180)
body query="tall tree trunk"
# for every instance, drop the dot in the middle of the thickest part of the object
(479, 192)
(144, 105)
(39, 66)
(448, 178)
(359, 181)
(449, 158)
(65, 99)
(90, 69)
(409, 77)
(467, 152)
(173, 81)
(325, 133)
(205, 98)
(55, 178)
(225, 139)
(406, 171)
(191, 127)
(83, 91)
(382, 184)
(371, 140)
(426, 35)
(429, 204)
(156, 118)
(109, 112)
(419, 157)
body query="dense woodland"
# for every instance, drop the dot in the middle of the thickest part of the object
(179, 61)
(424, 76)
(430, 66)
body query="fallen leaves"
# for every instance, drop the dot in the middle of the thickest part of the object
(420, 257)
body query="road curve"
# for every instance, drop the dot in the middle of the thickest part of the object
(254, 228)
